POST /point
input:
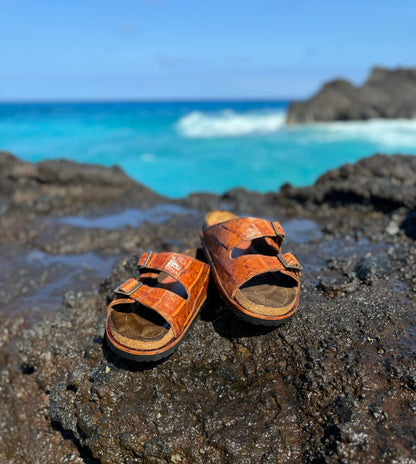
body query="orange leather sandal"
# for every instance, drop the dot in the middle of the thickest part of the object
(149, 317)
(259, 283)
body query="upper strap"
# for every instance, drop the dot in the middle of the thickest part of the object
(230, 234)
(240, 270)
(183, 268)
(168, 304)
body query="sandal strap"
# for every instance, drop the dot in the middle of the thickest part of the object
(168, 304)
(182, 268)
(240, 270)
(230, 234)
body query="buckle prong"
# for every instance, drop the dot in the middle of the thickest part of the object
(149, 252)
(276, 231)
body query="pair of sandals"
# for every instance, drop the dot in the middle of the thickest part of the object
(150, 316)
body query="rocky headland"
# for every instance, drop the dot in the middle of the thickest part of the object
(336, 384)
(385, 94)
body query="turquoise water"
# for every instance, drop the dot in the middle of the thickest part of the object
(183, 147)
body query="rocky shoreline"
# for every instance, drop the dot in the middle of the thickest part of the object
(335, 384)
(386, 94)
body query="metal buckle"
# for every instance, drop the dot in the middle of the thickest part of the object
(276, 231)
(149, 252)
(297, 267)
(120, 291)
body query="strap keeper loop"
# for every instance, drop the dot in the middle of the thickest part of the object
(142, 266)
(295, 266)
(129, 290)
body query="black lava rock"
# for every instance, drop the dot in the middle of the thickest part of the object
(376, 266)
(386, 94)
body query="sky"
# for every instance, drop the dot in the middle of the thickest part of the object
(187, 49)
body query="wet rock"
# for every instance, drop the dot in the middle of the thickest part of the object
(301, 230)
(337, 285)
(335, 384)
(375, 266)
(385, 183)
(343, 265)
(78, 314)
(316, 386)
(311, 382)
(62, 187)
(386, 94)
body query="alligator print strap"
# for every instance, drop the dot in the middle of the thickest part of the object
(240, 270)
(182, 268)
(235, 271)
(168, 304)
(231, 233)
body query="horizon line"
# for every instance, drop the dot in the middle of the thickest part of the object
(148, 100)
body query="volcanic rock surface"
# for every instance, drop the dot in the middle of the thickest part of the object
(336, 384)
(386, 94)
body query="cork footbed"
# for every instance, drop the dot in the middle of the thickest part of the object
(139, 327)
(269, 294)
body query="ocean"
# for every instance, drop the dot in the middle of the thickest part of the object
(177, 148)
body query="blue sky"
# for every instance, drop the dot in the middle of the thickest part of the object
(182, 49)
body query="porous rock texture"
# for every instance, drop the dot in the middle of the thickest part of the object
(336, 384)
(65, 187)
(380, 182)
(386, 94)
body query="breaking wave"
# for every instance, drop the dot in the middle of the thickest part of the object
(387, 134)
(228, 123)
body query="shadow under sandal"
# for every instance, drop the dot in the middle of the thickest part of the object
(149, 317)
(259, 283)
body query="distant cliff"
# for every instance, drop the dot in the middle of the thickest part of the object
(386, 94)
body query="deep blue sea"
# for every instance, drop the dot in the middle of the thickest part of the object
(177, 148)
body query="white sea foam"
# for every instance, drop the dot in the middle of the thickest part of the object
(228, 123)
(388, 134)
